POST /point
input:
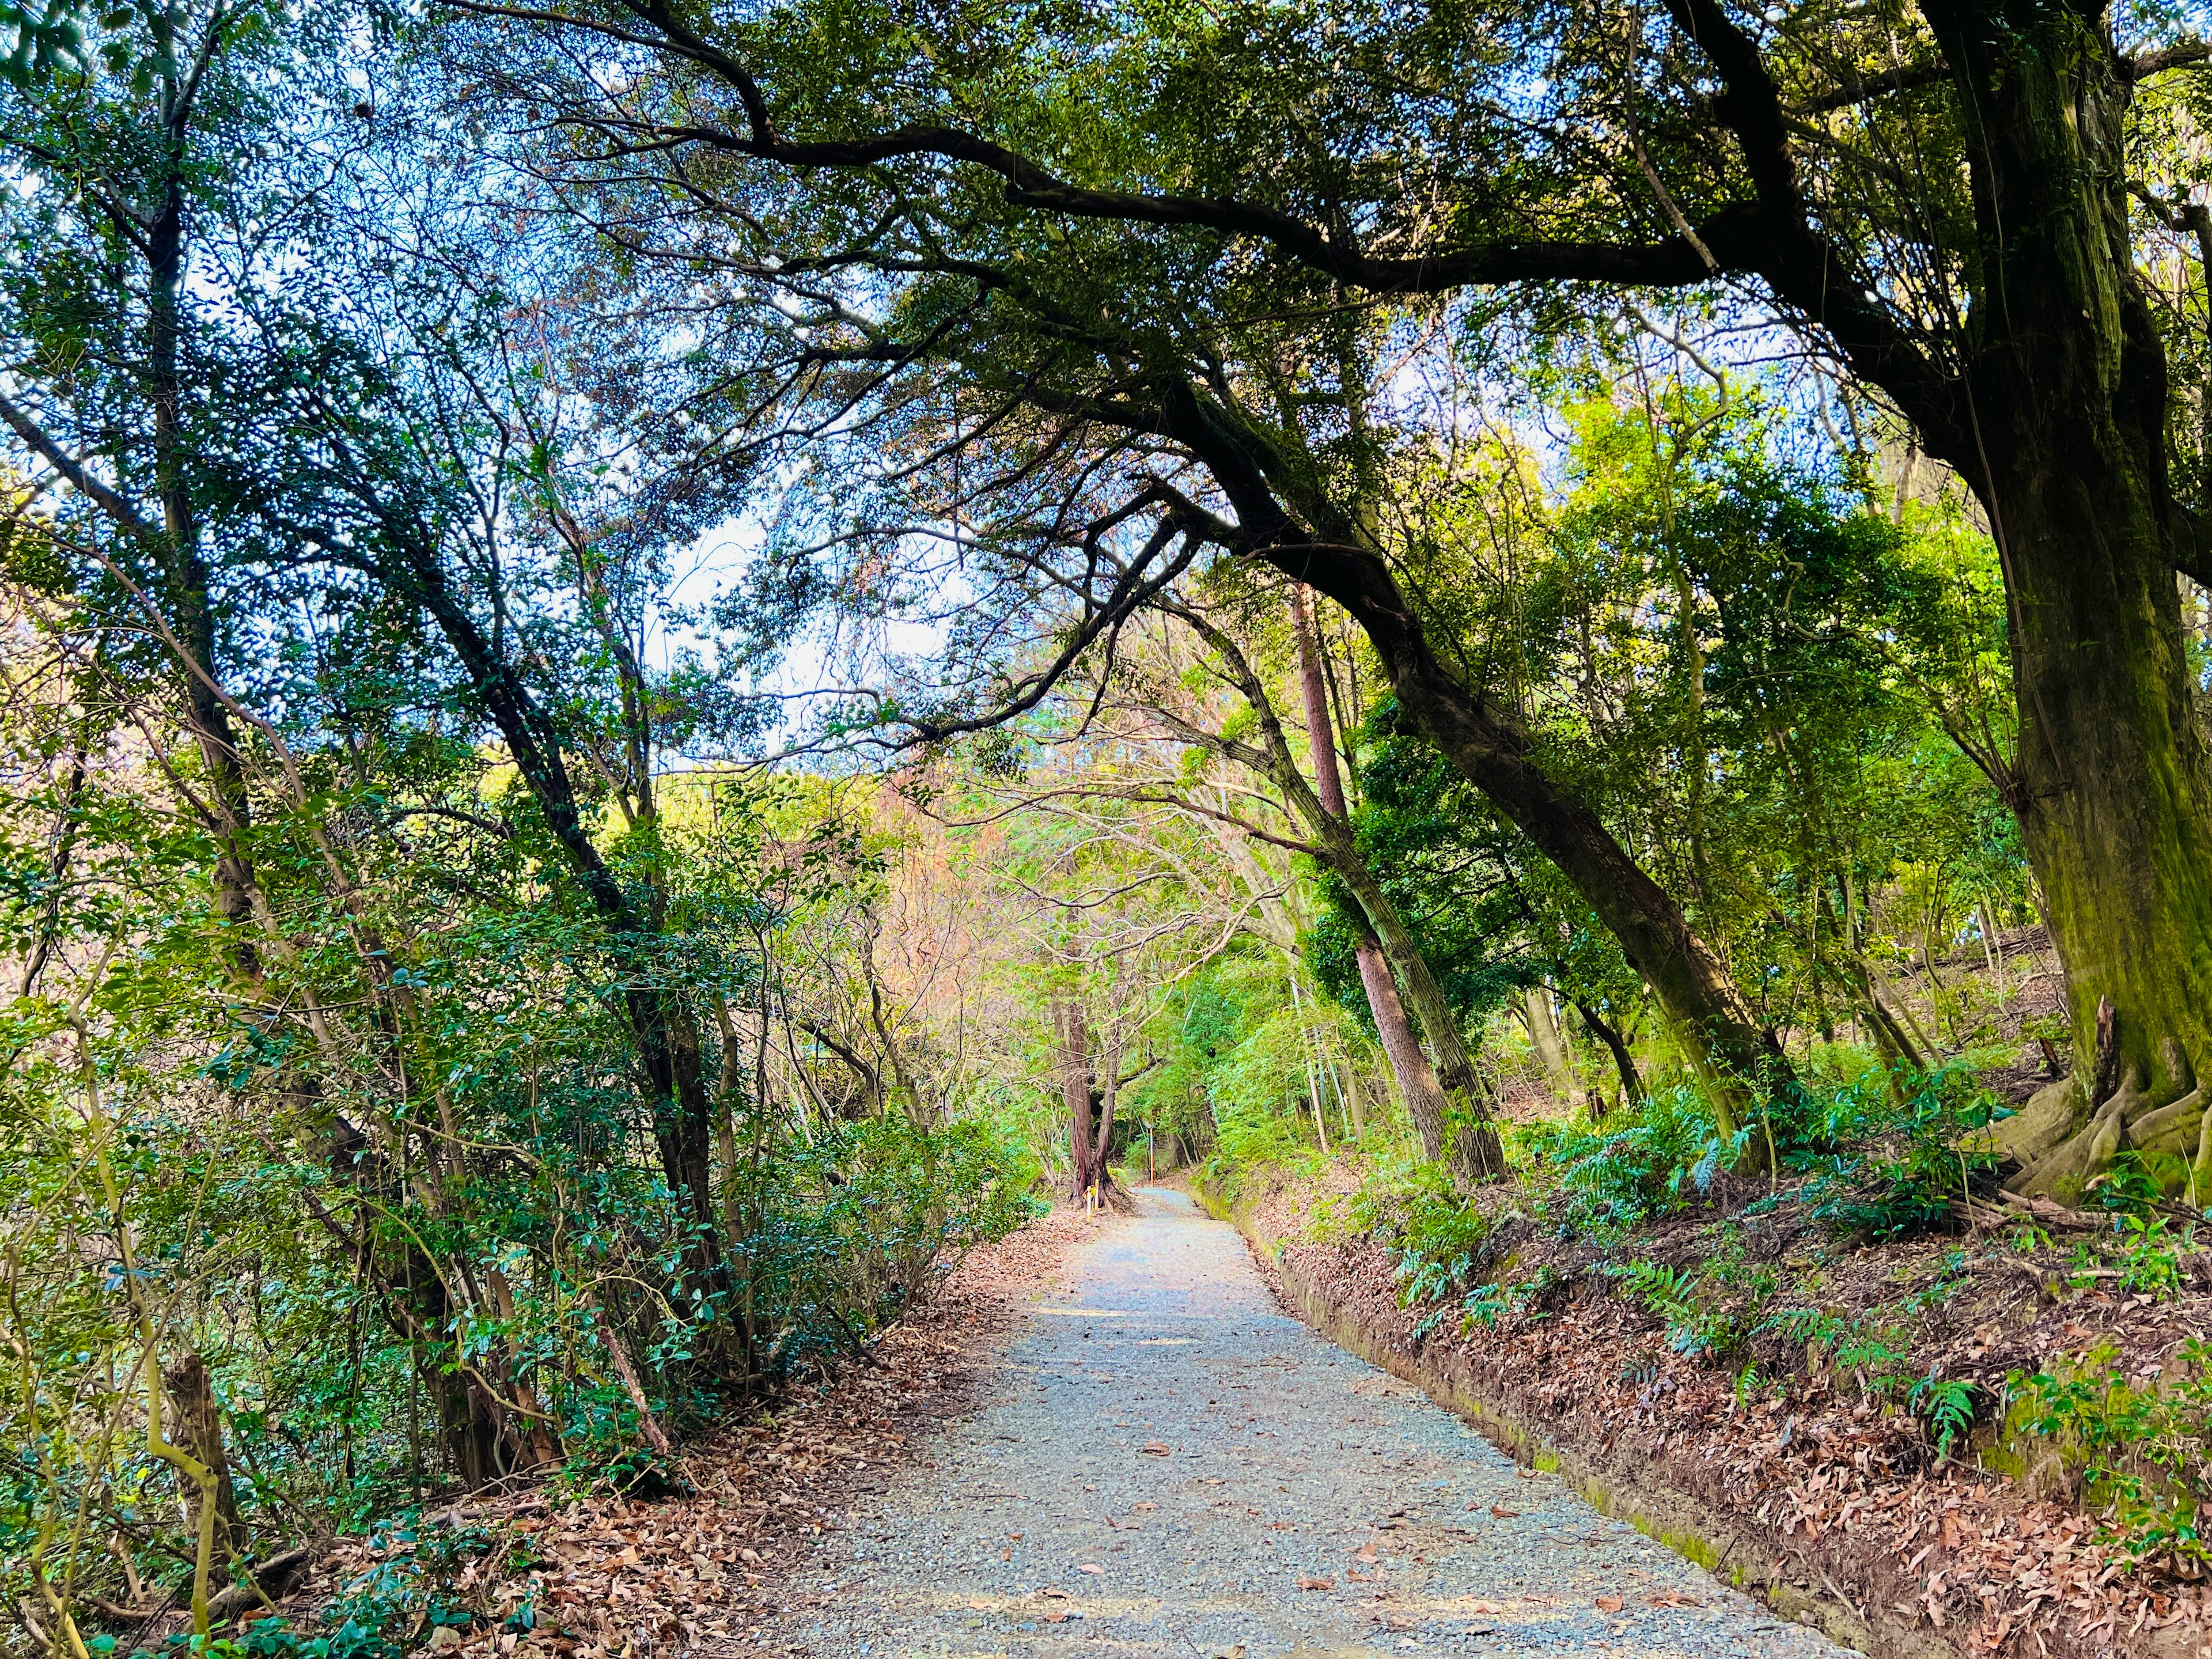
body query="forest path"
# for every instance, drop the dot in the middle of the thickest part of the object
(1045, 1526)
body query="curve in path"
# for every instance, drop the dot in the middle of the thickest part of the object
(1164, 1463)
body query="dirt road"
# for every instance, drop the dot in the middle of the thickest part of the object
(1167, 1464)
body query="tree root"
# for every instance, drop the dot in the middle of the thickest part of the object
(2062, 1145)
(2046, 1213)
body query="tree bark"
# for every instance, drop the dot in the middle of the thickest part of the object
(404, 557)
(1549, 1041)
(1427, 1107)
(2067, 400)
(1075, 1088)
(1109, 1093)
(199, 1432)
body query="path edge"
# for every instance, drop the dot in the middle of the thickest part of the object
(1747, 1558)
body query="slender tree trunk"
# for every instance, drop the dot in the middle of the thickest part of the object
(1428, 1108)
(1624, 1062)
(186, 579)
(1075, 1088)
(664, 1027)
(1109, 1098)
(1428, 1092)
(1549, 1042)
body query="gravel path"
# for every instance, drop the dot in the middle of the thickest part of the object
(1164, 1459)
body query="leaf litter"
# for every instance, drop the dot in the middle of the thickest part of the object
(604, 1575)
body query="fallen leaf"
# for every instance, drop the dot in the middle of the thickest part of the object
(1485, 1607)
(1007, 1553)
(979, 1606)
(1056, 1618)
(1608, 1604)
(1505, 1514)
(1154, 1449)
(1675, 1599)
(1090, 1567)
(1365, 1553)
(1317, 1583)
(1146, 1506)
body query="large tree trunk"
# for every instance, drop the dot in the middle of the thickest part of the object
(2112, 800)
(2067, 400)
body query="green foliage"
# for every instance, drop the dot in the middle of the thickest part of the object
(1946, 1405)
(1701, 1324)
(1412, 1205)
(1637, 1165)
(1483, 1306)
(1910, 1163)
(2148, 1260)
(846, 1233)
(2141, 1445)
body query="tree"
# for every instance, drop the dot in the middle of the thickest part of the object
(1939, 199)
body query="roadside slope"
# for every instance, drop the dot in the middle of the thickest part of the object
(1824, 1506)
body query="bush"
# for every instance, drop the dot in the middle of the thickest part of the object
(1249, 1141)
(2143, 1449)
(1917, 1164)
(1635, 1167)
(843, 1234)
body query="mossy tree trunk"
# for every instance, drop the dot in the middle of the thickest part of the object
(2066, 401)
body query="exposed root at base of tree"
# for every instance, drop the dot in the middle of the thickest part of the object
(2062, 1143)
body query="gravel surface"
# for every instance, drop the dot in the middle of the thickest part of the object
(1165, 1462)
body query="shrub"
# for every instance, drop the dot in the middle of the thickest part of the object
(843, 1234)
(1917, 1164)
(1248, 1142)
(1635, 1167)
(2143, 1449)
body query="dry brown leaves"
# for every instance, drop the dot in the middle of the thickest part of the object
(1842, 1489)
(612, 1576)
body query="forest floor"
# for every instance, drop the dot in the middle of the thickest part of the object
(1162, 1461)
(1818, 1457)
(537, 1574)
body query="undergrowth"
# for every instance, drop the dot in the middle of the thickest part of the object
(2144, 1445)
